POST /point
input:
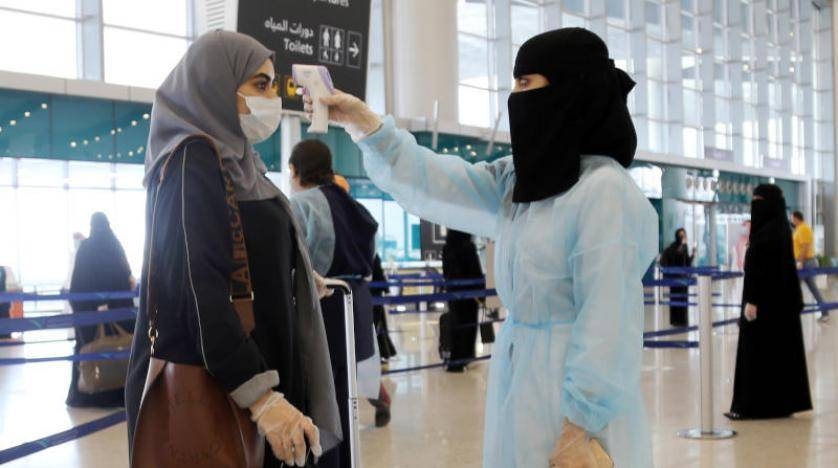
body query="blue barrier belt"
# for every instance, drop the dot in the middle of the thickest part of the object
(439, 297)
(115, 356)
(77, 432)
(670, 344)
(80, 319)
(86, 296)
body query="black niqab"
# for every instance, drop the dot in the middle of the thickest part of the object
(768, 215)
(582, 111)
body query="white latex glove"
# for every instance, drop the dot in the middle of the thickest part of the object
(750, 312)
(286, 429)
(349, 112)
(575, 449)
(322, 289)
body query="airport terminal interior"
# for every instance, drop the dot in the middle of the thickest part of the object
(481, 348)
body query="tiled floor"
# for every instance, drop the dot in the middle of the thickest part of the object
(437, 417)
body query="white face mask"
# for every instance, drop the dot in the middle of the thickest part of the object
(263, 119)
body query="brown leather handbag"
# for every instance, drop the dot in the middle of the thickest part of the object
(186, 419)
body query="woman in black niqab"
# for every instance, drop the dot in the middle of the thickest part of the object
(460, 262)
(771, 377)
(100, 266)
(678, 255)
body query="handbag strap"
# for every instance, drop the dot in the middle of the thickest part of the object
(241, 289)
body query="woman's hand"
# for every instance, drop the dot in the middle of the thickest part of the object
(320, 285)
(750, 312)
(575, 449)
(289, 433)
(349, 112)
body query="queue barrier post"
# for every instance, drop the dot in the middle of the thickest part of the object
(707, 429)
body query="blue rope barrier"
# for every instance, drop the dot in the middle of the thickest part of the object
(114, 356)
(438, 297)
(77, 432)
(86, 296)
(80, 319)
(427, 282)
(670, 344)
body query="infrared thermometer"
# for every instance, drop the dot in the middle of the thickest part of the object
(317, 83)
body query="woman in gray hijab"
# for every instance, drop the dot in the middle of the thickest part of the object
(219, 100)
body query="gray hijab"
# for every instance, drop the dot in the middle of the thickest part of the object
(199, 98)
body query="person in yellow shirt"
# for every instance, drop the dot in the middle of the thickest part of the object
(804, 255)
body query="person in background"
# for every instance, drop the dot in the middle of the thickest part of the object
(340, 235)
(771, 380)
(459, 262)
(386, 347)
(100, 266)
(678, 255)
(217, 102)
(8, 284)
(804, 255)
(574, 237)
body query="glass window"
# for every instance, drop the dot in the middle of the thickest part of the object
(653, 18)
(656, 136)
(140, 59)
(688, 31)
(747, 19)
(147, 15)
(654, 59)
(616, 10)
(692, 107)
(38, 44)
(40, 173)
(688, 5)
(573, 21)
(719, 48)
(42, 223)
(474, 105)
(719, 11)
(618, 45)
(89, 175)
(51, 7)
(129, 176)
(575, 6)
(656, 101)
(692, 142)
(472, 18)
(525, 23)
(393, 233)
(473, 63)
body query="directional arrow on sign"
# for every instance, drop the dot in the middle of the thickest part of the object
(354, 50)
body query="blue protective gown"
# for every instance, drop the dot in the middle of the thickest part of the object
(569, 269)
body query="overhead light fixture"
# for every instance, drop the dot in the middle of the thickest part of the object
(44, 105)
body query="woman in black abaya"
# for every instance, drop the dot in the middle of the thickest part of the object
(460, 262)
(677, 255)
(100, 266)
(771, 378)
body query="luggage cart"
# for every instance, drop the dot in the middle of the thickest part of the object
(351, 368)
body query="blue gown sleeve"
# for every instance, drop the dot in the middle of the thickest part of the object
(443, 189)
(311, 208)
(614, 245)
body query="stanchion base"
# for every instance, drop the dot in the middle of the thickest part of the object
(715, 434)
